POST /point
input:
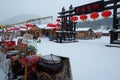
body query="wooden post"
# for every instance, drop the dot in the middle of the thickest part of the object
(26, 72)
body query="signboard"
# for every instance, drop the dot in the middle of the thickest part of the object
(89, 8)
(1, 26)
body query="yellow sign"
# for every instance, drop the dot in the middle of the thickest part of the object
(1, 26)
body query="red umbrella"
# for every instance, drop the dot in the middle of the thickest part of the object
(83, 17)
(94, 15)
(106, 13)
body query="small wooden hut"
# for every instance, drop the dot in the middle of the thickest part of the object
(35, 31)
(85, 33)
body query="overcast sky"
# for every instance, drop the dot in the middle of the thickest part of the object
(42, 8)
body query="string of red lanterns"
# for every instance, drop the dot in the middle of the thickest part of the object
(93, 16)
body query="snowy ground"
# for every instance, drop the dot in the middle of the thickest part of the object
(89, 59)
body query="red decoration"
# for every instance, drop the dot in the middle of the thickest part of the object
(29, 25)
(23, 45)
(23, 27)
(83, 9)
(94, 15)
(29, 60)
(88, 7)
(83, 17)
(58, 20)
(106, 13)
(8, 30)
(16, 29)
(51, 25)
(24, 61)
(8, 44)
(35, 59)
(74, 18)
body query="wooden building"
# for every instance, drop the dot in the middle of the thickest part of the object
(42, 30)
(85, 33)
(35, 31)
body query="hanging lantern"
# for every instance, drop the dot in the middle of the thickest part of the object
(106, 13)
(74, 18)
(58, 20)
(83, 17)
(94, 15)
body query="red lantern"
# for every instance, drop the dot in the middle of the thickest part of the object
(83, 17)
(58, 20)
(106, 13)
(74, 18)
(94, 15)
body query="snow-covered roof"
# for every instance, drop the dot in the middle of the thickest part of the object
(50, 28)
(41, 26)
(82, 29)
(103, 31)
(22, 29)
(44, 26)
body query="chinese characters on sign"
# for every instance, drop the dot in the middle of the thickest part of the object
(89, 8)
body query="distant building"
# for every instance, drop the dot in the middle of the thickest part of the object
(85, 33)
